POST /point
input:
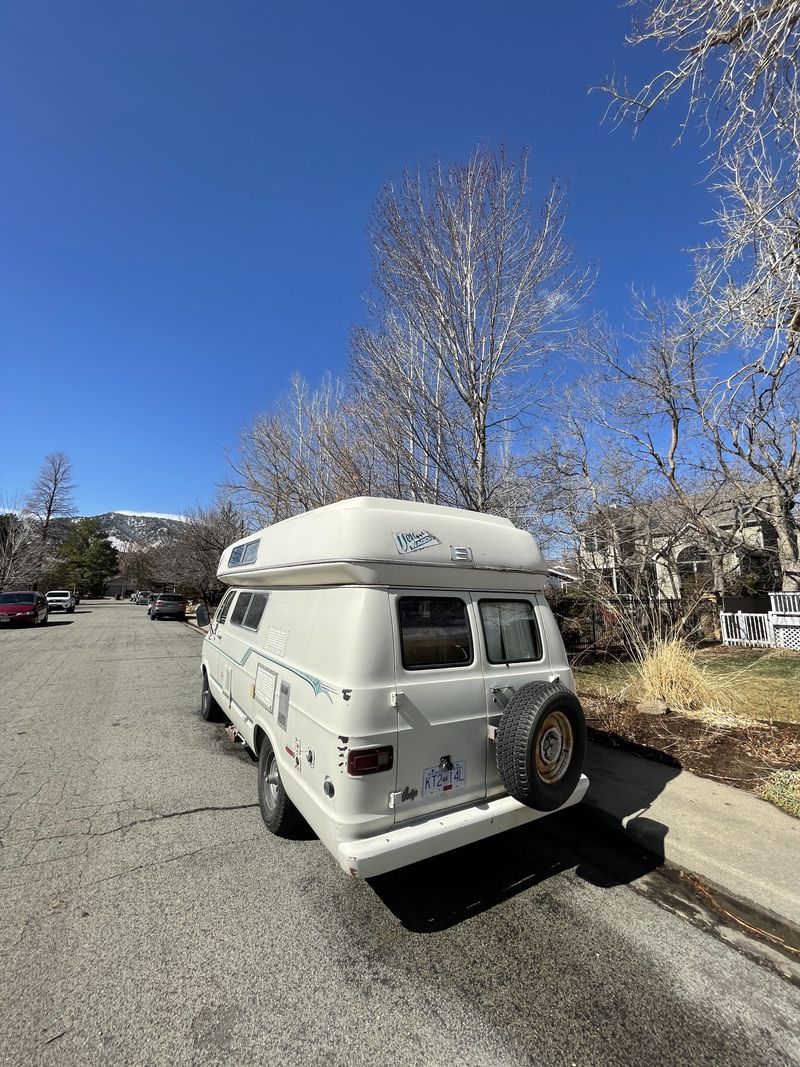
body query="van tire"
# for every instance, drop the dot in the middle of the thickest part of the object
(209, 708)
(280, 815)
(541, 745)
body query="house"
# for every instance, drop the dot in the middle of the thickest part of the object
(666, 552)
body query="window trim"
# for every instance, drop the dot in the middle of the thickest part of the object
(220, 617)
(537, 633)
(435, 666)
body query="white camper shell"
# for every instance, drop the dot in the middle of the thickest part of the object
(397, 672)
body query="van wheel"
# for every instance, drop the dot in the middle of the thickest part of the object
(209, 708)
(278, 812)
(541, 745)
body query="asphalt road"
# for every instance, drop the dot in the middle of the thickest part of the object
(148, 918)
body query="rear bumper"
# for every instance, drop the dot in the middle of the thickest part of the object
(372, 856)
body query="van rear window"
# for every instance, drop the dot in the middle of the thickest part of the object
(434, 632)
(510, 630)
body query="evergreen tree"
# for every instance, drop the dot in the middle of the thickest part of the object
(88, 557)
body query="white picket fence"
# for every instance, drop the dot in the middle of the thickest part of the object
(778, 628)
(744, 628)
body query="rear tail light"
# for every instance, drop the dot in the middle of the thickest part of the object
(369, 760)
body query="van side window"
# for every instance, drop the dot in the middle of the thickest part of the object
(434, 632)
(255, 611)
(242, 604)
(224, 608)
(510, 631)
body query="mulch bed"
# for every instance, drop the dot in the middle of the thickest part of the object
(742, 756)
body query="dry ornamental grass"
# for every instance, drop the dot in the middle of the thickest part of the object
(668, 670)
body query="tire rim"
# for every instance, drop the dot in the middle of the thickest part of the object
(553, 748)
(271, 782)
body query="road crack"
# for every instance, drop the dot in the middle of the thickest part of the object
(159, 816)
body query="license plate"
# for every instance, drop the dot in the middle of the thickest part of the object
(436, 781)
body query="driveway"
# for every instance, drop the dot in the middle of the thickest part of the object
(149, 918)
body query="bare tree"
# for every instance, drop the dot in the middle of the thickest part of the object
(475, 295)
(189, 559)
(730, 382)
(49, 499)
(136, 561)
(18, 554)
(725, 455)
(737, 61)
(311, 449)
(51, 494)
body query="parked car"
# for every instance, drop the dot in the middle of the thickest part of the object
(142, 597)
(402, 658)
(168, 606)
(60, 600)
(25, 607)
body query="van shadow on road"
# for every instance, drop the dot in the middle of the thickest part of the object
(444, 891)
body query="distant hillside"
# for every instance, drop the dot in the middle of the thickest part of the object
(126, 529)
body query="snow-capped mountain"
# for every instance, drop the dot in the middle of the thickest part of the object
(128, 529)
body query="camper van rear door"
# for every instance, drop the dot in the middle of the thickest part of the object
(441, 718)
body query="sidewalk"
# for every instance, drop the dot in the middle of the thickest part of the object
(729, 838)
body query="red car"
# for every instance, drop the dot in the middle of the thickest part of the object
(25, 607)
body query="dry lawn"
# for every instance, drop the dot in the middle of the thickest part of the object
(733, 684)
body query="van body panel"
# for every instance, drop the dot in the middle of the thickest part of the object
(503, 679)
(441, 718)
(374, 541)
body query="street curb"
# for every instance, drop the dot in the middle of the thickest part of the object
(754, 917)
(731, 840)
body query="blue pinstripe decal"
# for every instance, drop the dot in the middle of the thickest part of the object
(315, 683)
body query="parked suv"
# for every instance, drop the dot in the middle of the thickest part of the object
(168, 606)
(25, 607)
(60, 600)
(142, 597)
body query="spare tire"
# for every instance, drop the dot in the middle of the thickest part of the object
(541, 745)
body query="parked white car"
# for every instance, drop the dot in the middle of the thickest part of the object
(60, 600)
(397, 672)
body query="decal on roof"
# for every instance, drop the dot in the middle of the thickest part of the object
(414, 541)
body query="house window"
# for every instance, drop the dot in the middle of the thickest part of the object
(693, 560)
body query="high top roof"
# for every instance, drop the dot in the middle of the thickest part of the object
(375, 541)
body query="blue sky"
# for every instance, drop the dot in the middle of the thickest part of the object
(185, 190)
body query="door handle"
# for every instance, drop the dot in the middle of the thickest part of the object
(502, 688)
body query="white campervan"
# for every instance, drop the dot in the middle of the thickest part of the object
(398, 674)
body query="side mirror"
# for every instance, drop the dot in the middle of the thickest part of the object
(201, 615)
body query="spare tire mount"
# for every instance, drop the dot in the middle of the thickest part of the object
(541, 745)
